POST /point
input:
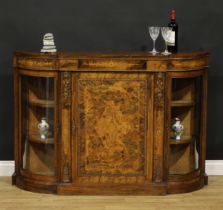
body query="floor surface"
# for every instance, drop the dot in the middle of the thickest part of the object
(208, 198)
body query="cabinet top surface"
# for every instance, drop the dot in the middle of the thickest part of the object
(111, 61)
(112, 55)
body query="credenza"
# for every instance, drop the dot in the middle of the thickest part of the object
(101, 123)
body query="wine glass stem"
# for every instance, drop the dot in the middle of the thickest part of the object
(154, 45)
(166, 47)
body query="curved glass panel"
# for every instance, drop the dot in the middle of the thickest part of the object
(37, 114)
(185, 108)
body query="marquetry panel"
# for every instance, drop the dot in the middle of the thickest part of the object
(68, 64)
(36, 64)
(158, 127)
(115, 64)
(66, 94)
(66, 89)
(112, 119)
(178, 64)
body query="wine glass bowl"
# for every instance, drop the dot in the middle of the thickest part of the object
(166, 33)
(154, 33)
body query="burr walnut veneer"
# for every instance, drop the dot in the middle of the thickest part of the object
(110, 117)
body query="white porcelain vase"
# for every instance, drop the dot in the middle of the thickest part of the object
(43, 128)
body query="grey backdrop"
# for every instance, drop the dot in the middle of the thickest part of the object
(102, 25)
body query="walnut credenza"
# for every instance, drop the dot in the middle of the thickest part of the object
(110, 117)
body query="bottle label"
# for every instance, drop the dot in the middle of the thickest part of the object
(171, 41)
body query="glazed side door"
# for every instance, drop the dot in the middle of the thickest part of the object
(37, 132)
(187, 102)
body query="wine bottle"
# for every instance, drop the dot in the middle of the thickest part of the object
(172, 44)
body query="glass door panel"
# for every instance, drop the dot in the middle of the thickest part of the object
(185, 105)
(38, 110)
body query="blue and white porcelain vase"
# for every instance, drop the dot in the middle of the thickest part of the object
(43, 128)
(177, 128)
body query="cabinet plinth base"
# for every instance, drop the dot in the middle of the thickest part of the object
(35, 186)
(186, 186)
(110, 189)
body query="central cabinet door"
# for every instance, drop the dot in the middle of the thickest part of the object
(112, 113)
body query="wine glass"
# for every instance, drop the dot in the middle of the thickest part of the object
(154, 33)
(166, 32)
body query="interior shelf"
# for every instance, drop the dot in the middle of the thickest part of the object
(42, 103)
(182, 103)
(38, 140)
(40, 173)
(45, 174)
(183, 140)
